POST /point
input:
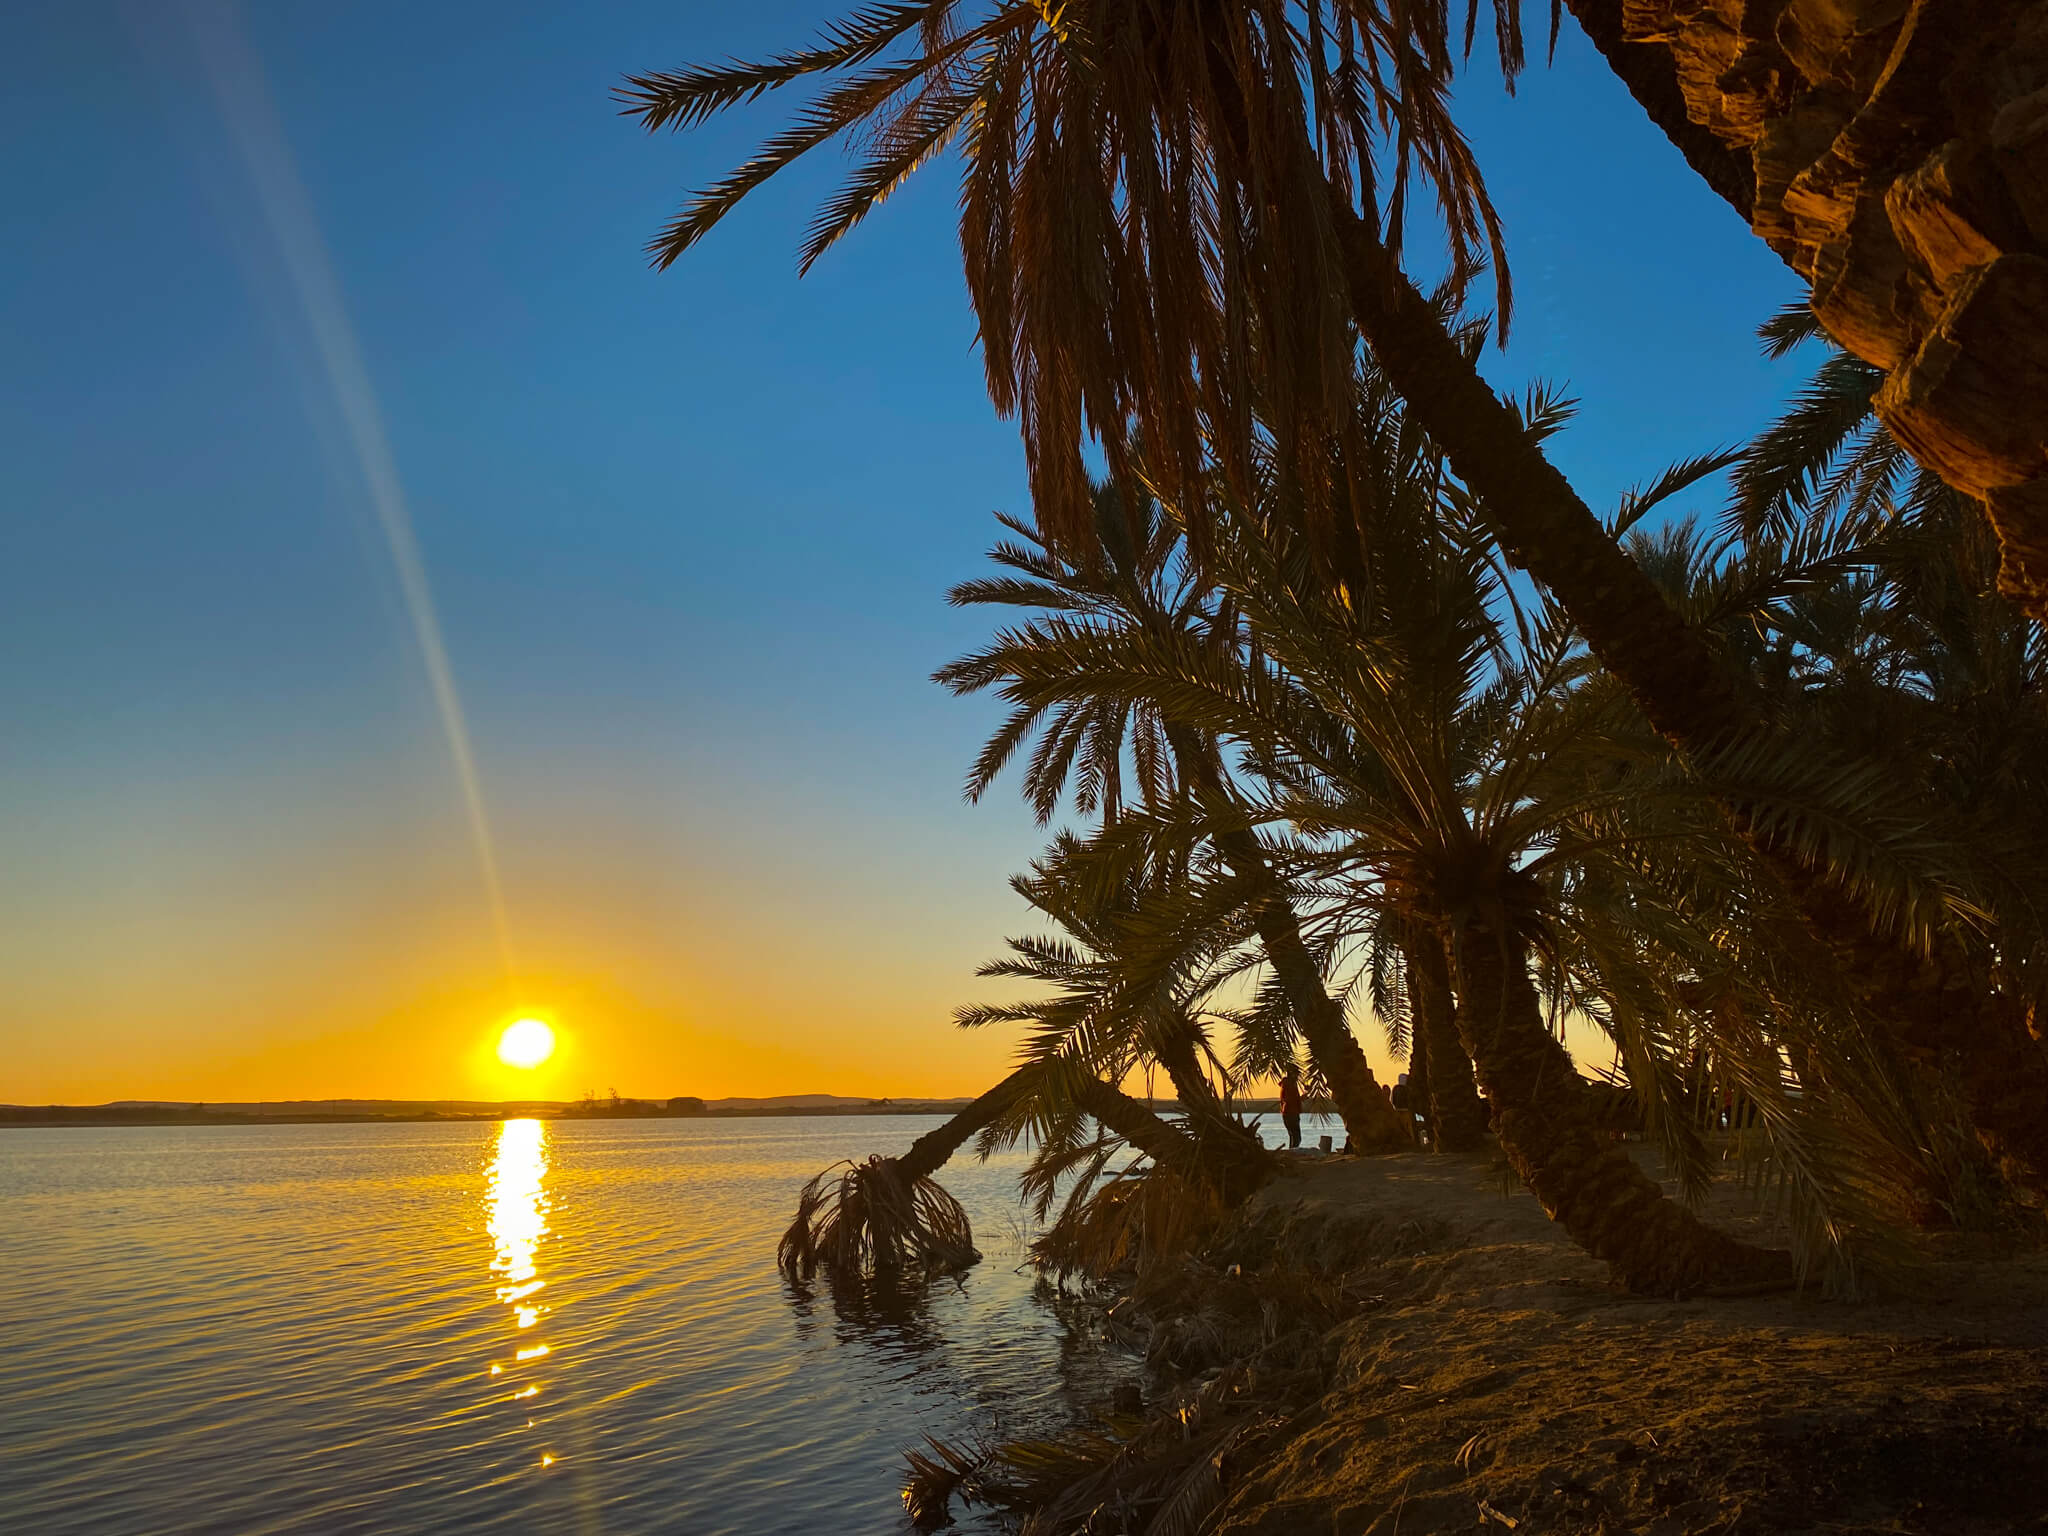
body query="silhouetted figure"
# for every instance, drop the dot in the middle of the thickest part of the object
(1290, 1108)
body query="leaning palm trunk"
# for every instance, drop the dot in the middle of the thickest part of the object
(1457, 1115)
(1137, 1123)
(1940, 1001)
(1179, 1052)
(1200, 1171)
(1367, 1112)
(1210, 1151)
(1587, 1184)
(888, 1215)
(1180, 1056)
(1206, 1117)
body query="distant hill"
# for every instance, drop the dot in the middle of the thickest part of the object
(282, 1111)
(274, 1107)
(271, 1109)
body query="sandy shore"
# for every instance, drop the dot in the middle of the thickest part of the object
(1494, 1380)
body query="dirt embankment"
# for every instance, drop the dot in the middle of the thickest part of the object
(1497, 1382)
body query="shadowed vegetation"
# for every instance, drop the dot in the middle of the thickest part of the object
(1351, 708)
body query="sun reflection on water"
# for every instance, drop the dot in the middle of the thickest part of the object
(518, 1220)
(519, 1207)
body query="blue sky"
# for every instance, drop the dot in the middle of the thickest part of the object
(688, 533)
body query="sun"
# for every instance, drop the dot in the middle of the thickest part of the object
(526, 1044)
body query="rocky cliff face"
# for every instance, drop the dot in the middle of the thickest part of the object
(1900, 154)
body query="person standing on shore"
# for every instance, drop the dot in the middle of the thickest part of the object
(1290, 1108)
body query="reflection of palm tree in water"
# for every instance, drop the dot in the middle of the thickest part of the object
(897, 1321)
(888, 1315)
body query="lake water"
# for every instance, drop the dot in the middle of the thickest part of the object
(547, 1326)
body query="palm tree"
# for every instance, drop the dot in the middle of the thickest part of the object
(1433, 791)
(1176, 221)
(1130, 980)
(888, 1216)
(1141, 584)
(1912, 666)
(1140, 957)
(1447, 779)
(1173, 230)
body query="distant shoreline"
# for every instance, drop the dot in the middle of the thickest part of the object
(58, 1116)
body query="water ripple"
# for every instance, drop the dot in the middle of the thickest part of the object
(331, 1329)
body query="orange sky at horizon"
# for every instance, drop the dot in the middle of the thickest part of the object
(650, 1018)
(442, 1044)
(665, 964)
(227, 939)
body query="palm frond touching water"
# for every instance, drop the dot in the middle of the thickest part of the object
(874, 1218)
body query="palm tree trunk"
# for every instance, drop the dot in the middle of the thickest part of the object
(1368, 1114)
(1691, 699)
(934, 1149)
(1539, 519)
(1178, 1053)
(1457, 1115)
(1587, 1184)
(1209, 1150)
(1418, 1076)
(1205, 1114)
(887, 1216)
(1143, 1127)
(1140, 1125)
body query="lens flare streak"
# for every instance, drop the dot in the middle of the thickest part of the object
(237, 77)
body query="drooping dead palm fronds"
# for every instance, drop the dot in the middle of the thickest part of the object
(940, 1473)
(875, 1218)
(1127, 1219)
(888, 1215)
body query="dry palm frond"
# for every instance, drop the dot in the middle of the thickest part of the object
(940, 1473)
(1163, 1481)
(865, 1219)
(1132, 1218)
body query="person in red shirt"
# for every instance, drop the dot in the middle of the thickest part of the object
(1290, 1108)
